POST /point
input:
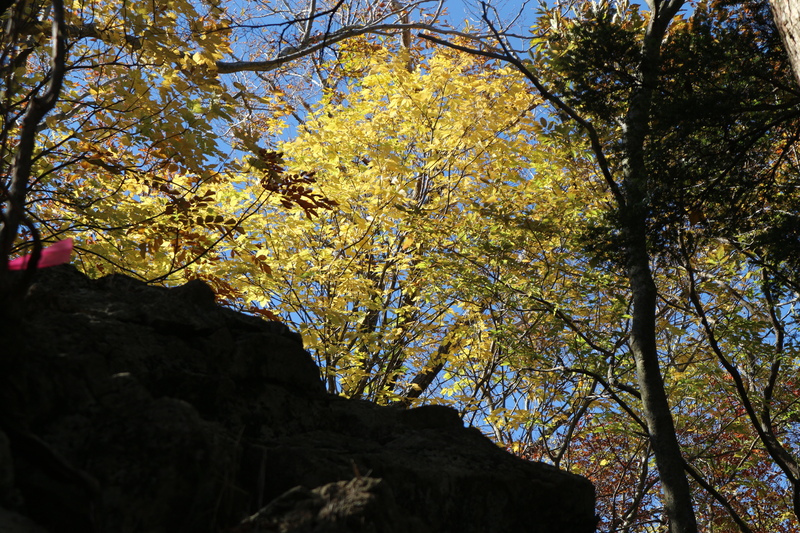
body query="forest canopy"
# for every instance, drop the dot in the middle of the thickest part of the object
(577, 223)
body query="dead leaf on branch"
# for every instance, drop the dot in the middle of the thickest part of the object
(293, 187)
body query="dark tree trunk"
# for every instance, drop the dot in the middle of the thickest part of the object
(38, 106)
(675, 486)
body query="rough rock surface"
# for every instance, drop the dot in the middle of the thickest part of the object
(131, 408)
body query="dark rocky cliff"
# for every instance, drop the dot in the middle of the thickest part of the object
(131, 408)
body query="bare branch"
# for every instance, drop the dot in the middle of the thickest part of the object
(576, 418)
(606, 385)
(347, 32)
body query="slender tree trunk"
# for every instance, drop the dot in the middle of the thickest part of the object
(787, 19)
(675, 487)
(38, 106)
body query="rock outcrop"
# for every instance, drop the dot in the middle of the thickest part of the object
(131, 408)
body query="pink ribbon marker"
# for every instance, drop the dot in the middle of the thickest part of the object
(56, 254)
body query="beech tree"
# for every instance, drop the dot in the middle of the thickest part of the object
(559, 315)
(122, 133)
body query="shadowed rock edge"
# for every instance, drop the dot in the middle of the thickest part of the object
(131, 408)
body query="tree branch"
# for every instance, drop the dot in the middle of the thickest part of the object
(38, 107)
(587, 126)
(743, 527)
(763, 427)
(230, 67)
